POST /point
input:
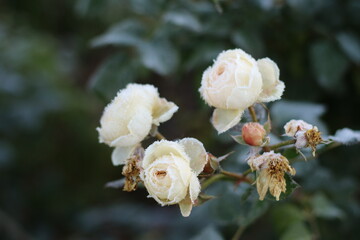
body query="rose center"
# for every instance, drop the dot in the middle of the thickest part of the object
(160, 174)
(220, 70)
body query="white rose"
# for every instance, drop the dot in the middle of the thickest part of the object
(232, 84)
(293, 126)
(127, 120)
(170, 172)
(272, 88)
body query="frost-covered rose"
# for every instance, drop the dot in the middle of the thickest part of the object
(231, 85)
(293, 126)
(272, 88)
(170, 172)
(127, 120)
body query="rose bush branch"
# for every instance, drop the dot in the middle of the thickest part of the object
(253, 113)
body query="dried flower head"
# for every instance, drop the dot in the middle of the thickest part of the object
(271, 168)
(313, 137)
(131, 170)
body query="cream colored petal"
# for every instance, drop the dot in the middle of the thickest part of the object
(163, 111)
(139, 127)
(185, 206)
(276, 93)
(195, 188)
(121, 154)
(197, 153)
(273, 88)
(262, 184)
(161, 148)
(223, 119)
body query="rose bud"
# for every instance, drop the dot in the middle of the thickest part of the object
(253, 133)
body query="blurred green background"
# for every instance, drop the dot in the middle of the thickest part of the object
(61, 61)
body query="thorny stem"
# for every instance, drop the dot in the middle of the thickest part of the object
(227, 175)
(238, 233)
(253, 114)
(211, 180)
(279, 145)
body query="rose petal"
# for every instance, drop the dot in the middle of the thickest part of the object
(161, 148)
(139, 127)
(195, 187)
(223, 119)
(185, 206)
(163, 111)
(197, 153)
(273, 88)
(121, 154)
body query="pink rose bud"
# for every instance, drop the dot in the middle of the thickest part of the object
(253, 133)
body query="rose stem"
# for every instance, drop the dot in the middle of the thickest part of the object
(238, 233)
(226, 175)
(159, 136)
(253, 114)
(278, 145)
(239, 177)
(211, 180)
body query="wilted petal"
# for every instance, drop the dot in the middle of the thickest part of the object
(121, 154)
(197, 153)
(163, 111)
(185, 206)
(223, 119)
(195, 187)
(262, 184)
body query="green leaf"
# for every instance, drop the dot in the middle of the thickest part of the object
(285, 215)
(236, 204)
(126, 33)
(297, 231)
(283, 111)
(324, 208)
(249, 41)
(114, 74)
(329, 65)
(350, 44)
(159, 55)
(239, 139)
(208, 233)
(183, 19)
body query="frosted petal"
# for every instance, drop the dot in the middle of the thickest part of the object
(223, 119)
(195, 187)
(185, 206)
(197, 153)
(163, 111)
(121, 154)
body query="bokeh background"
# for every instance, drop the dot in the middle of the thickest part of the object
(61, 61)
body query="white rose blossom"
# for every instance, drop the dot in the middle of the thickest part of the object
(127, 120)
(170, 171)
(232, 84)
(235, 82)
